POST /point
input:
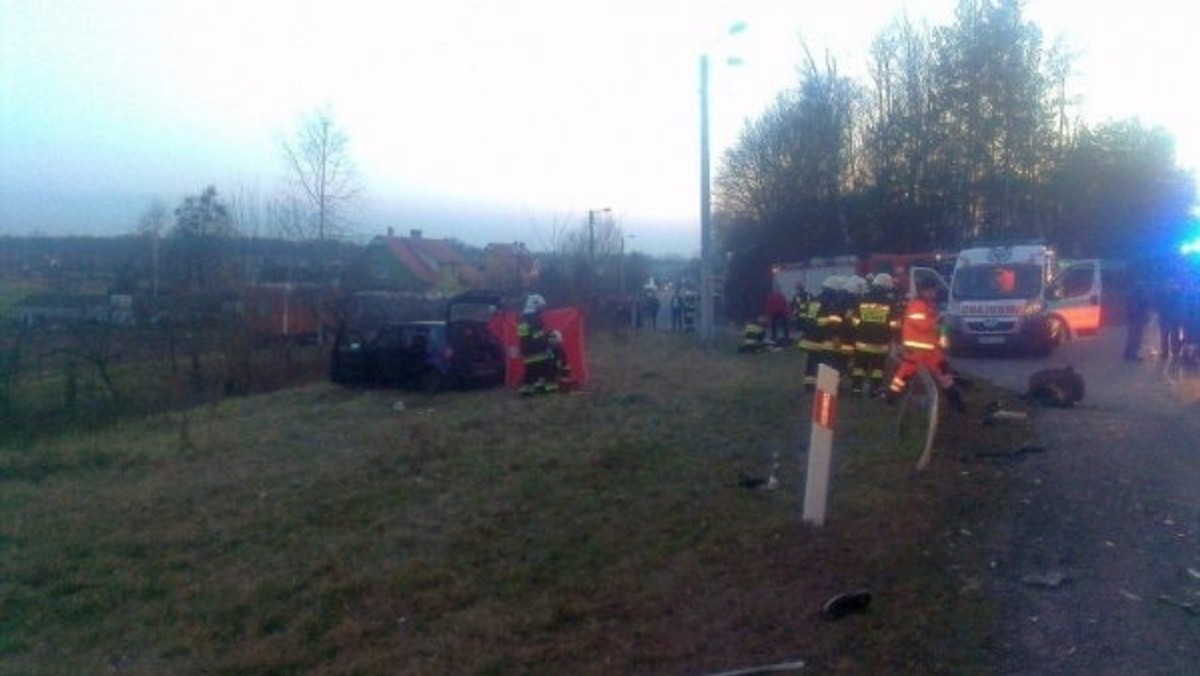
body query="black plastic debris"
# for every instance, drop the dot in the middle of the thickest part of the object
(839, 606)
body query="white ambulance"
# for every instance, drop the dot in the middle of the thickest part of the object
(1018, 297)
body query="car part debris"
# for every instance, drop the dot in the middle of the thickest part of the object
(1019, 453)
(1055, 388)
(1186, 606)
(995, 412)
(781, 667)
(1048, 580)
(839, 606)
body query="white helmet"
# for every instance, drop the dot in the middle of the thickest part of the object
(534, 303)
(858, 285)
(832, 282)
(883, 281)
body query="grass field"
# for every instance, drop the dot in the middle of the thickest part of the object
(318, 530)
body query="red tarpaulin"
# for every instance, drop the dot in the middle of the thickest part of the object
(567, 321)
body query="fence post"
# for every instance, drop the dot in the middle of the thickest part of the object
(820, 445)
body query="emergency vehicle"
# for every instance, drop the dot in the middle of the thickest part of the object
(1017, 296)
(814, 271)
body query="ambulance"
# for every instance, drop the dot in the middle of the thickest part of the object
(1017, 297)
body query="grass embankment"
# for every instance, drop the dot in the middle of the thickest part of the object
(319, 530)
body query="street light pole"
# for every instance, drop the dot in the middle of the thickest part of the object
(622, 266)
(706, 290)
(592, 232)
(707, 318)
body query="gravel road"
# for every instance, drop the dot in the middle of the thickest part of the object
(1095, 558)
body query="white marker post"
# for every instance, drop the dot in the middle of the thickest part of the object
(820, 445)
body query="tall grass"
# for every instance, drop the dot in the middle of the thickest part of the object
(318, 530)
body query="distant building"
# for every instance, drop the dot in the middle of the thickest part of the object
(414, 263)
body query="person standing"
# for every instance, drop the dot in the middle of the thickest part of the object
(652, 307)
(817, 341)
(799, 309)
(874, 324)
(776, 308)
(1169, 308)
(922, 342)
(676, 310)
(1137, 313)
(538, 359)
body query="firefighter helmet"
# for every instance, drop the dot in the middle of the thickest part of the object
(882, 280)
(832, 282)
(534, 302)
(858, 285)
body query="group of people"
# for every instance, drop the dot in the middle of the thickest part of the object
(851, 323)
(1175, 303)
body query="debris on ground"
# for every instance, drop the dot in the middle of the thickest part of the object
(1049, 580)
(1055, 388)
(758, 483)
(399, 406)
(996, 412)
(795, 665)
(1186, 606)
(839, 606)
(1017, 454)
(1129, 595)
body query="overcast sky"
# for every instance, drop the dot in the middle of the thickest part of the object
(481, 120)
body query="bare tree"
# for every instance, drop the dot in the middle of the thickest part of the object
(319, 165)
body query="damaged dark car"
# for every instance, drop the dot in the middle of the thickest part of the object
(458, 352)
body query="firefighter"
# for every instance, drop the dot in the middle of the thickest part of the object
(536, 353)
(816, 340)
(799, 309)
(754, 336)
(922, 341)
(874, 323)
(853, 289)
(839, 339)
(689, 310)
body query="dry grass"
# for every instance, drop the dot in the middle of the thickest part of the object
(316, 530)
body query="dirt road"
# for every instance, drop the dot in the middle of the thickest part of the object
(1096, 557)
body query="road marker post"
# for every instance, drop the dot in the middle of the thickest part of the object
(820, 445)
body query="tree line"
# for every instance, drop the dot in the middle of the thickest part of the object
(962, 133)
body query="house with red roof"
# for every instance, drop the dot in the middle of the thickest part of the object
(415, 264)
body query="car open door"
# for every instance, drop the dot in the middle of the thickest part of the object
(1075, 295)
(916, 274)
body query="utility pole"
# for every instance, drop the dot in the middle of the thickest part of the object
(707, 319)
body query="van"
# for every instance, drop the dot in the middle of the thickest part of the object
(1018, 297)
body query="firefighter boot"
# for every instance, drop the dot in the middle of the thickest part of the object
(856, 385)
(954, 396)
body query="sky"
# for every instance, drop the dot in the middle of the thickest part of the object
(479, 120)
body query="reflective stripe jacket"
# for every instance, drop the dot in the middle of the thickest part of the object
(873, 320)
(920, 329)
(535, 342)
